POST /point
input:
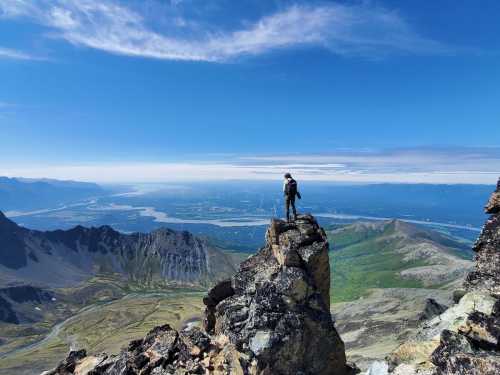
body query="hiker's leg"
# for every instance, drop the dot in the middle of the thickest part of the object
(287, 208)
(292, 201)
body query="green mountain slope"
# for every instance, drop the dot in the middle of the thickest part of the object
(393, 254)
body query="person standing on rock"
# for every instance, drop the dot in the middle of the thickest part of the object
(291, 191)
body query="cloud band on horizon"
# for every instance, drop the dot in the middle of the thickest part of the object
(426, 165)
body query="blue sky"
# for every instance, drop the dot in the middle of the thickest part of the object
(189, 89)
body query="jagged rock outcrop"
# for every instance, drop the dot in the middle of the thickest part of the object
(486, 276)
(465, 339)
(277, 312)
(271, 318)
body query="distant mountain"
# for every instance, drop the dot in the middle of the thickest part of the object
(65, 258)
(394, 254)
(32, 194)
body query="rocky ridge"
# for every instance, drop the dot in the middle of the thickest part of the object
(271, 317)
(464, 339)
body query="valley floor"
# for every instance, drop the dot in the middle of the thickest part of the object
(104, 327)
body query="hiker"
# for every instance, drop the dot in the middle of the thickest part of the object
(290, 190)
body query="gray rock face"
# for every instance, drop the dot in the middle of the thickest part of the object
(270, 318)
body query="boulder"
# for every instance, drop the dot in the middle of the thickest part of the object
(456, 355)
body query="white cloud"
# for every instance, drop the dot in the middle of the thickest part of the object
(397, 166)
(18, 8)
(7, 53)
(346, 30)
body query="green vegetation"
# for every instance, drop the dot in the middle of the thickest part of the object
(368, 255)
(344, 238)
(365, 265)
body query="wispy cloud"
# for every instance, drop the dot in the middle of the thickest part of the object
(4, 105)
(7, 53)
(431, 165)
(361, 30)
(395, 160)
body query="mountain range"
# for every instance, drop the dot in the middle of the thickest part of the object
(32, 194)
(66, 257)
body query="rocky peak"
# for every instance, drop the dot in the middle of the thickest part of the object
(275, 310)
(271, 317)
(12, 249)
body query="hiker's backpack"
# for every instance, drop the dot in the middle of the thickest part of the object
(291, 187)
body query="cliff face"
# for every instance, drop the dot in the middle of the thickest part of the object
(272, 317)
(465, 339)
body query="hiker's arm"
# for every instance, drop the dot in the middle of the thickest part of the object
(298, 195)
